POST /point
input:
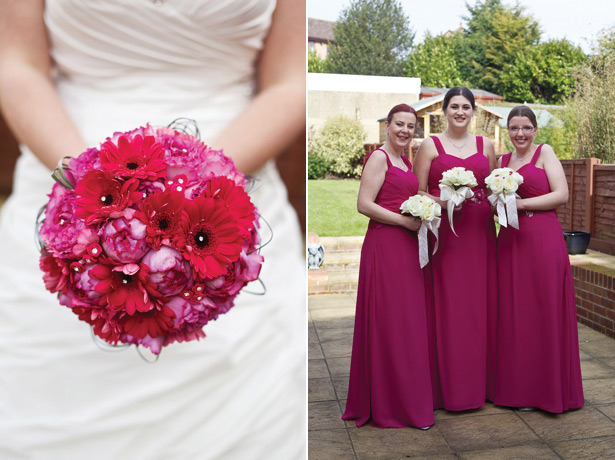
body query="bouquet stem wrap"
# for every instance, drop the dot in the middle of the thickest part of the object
(429, 211)
(504, 182)
(507, 208)
(454, 197)
(422, 235)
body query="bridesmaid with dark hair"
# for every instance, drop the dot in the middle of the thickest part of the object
(390, 382)
(538, 363)
(461, 283)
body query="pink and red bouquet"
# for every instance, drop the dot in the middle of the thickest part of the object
(149, 237)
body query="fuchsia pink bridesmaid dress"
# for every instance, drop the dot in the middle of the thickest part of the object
(390, 383)
(461, 288)
(538, 349)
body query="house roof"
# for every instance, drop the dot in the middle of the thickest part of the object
(320, 30)
(424, 103)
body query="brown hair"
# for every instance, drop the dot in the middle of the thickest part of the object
(458, 91)
(522, 111)
(401, 108)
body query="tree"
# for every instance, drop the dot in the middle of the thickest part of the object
(372, 37)
(435, 61)
(496, 34)
(542, 73)
(316, 64)
(605, 43)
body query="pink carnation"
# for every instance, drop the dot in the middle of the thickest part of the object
(61, 228)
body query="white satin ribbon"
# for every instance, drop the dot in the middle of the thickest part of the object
(454, 198)
(422, 234)
(507, 208)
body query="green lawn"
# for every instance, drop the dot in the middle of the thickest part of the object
(332, 208)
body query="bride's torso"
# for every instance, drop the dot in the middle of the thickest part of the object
(122, 63)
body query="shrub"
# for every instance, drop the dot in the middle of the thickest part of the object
(340, 143)
(317, 166)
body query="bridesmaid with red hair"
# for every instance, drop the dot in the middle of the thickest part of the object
(390, 382)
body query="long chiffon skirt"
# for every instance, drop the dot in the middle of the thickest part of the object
(390, 383)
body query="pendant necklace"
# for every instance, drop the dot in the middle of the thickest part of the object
(451, 142)
(518, 158)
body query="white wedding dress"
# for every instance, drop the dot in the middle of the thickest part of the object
(240, 393)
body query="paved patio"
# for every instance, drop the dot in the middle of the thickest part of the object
(489, 433)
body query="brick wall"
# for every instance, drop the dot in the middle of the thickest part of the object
(595, 298)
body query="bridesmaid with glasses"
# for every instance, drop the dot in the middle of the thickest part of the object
(538, 362)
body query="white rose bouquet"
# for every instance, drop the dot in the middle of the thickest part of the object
(429, 212)
(456, 186)
(503, 183)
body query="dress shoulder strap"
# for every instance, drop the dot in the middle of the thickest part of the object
(370, 154)
(536, 155)
(479, 144)
(407, 162)
(506, 158)
(438, 144)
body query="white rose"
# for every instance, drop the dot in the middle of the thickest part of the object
(412, 205)
(497, 184)
(510, 184)
(428, 214)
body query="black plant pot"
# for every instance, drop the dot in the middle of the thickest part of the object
(577, 241)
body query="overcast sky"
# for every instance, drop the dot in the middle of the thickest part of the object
(578, 21)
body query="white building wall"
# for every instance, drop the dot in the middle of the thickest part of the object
(361, 97)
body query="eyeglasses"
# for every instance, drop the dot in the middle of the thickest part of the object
(526, 129)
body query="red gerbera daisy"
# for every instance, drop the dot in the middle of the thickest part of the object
(209, 237)
(155, 322)
(161, 213)
(100, 195)
(138, 157)
(235, 199)
(102, 320)
(56, 273)
(127, 287)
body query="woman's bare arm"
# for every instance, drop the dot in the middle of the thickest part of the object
(276, 116)
(28, 99)
(557, 182)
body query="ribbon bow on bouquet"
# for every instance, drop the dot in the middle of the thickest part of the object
(455, 187)
(429, 212)
(503, 183)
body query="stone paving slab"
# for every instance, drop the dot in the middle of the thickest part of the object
(488, 433)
